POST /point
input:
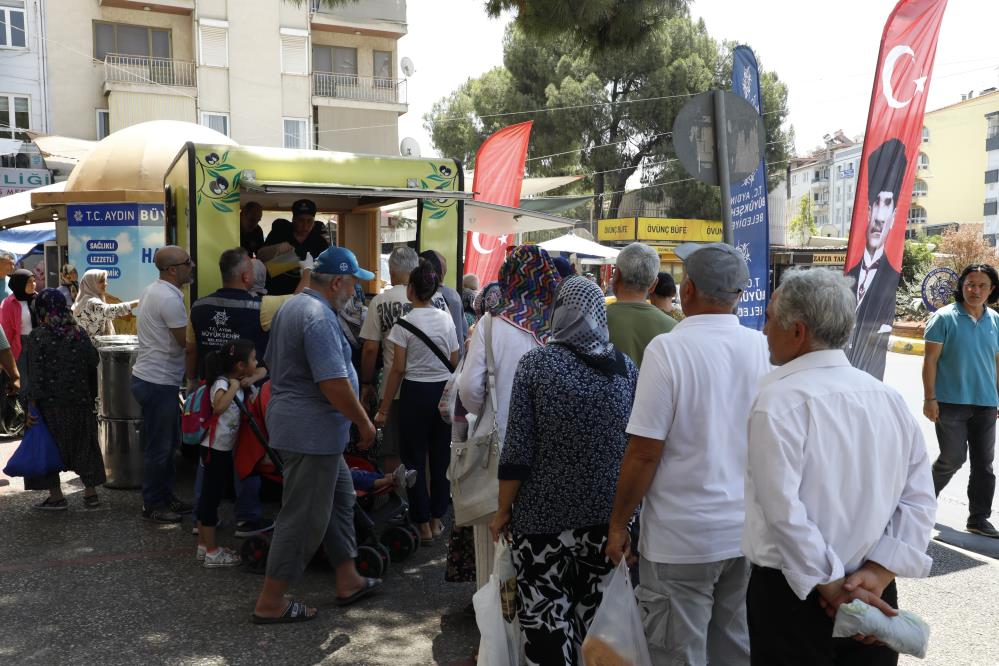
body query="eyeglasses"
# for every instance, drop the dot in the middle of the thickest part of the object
(183, 263)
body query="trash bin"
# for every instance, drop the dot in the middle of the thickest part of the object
(119, 416)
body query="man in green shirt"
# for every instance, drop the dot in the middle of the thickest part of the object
(633, 322)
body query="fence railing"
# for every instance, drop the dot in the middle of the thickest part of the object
(150, 71)
(361, 88)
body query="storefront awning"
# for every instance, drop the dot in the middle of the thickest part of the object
(16, 209)
(496, 220)
(573, 244)
(22, 240)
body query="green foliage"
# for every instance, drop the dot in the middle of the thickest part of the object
(612, 112)
(803, 222)
(916, 260)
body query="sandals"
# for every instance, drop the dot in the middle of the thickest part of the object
(52, 505)
(91, 501)
(370, 585)
(296, 611)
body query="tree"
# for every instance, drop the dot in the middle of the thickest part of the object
(611, 112)
(916, 259)
(962, 247)
(803, 223)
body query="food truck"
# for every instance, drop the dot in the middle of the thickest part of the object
(207, 184)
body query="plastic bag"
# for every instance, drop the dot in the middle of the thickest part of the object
(37, 455)
(905, 633)
(616, 636)
(499, 643)
(507, 575)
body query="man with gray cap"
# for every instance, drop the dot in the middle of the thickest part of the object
(633, 322)
(686, 463)
(313, 404)
(303, 236)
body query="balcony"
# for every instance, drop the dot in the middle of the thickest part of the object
(377, 18)
(179, 7)
(359, 88)
(145, 71)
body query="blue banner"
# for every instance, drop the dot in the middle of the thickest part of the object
(750, 220)
(119, 238)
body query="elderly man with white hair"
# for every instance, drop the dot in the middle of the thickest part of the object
(633, 321)
(6, 268)
(839, 495)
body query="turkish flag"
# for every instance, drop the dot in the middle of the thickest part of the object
(888, 166)
(499, 174)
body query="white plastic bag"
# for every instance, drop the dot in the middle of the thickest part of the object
(507, 576)
(499, 642)
(906, 632)
(616, 636)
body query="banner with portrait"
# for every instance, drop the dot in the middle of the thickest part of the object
(887, 171)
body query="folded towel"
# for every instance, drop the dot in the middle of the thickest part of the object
(905, 633)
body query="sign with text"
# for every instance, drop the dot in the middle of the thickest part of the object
(673, 229)
(22, 180)
(829, 259)
(617, 229)
(119, 238)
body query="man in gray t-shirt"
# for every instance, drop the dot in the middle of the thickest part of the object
(313, 402)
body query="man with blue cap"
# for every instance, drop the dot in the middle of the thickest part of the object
(312, 406)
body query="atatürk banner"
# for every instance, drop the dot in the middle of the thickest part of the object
(887, 170)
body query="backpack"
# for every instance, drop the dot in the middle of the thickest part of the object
(199, 417)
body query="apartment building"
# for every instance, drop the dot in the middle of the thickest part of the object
(991, 177)
(264, 72)
(22, 100)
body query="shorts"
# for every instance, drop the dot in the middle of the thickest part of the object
(390, 433)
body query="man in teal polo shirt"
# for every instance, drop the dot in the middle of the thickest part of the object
(959, 385)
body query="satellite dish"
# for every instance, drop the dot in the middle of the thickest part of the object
(408, 67)
(409, 147)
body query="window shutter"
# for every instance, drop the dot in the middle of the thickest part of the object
(294, 54)
(214, 46)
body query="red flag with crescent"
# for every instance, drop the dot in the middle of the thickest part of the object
(888, 166)
(499, 174)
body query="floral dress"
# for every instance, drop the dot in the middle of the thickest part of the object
(95, 316)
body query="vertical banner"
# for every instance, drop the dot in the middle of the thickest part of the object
(499, 174)
(750, 220)
(887, 171)
(119, 238)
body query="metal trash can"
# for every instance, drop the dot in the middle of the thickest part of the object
(119, 416)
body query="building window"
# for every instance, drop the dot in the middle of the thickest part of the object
(131, 40)
(990, 207)
(919, 188)
(992, 130)
(923, 161)
(296, 133)
(992, 176)
(213, 45)
(294, 51)
(216, 121)
(917, 215)
(335, 60)
(12, 33)
(103, 123)
(816, 197)
(15, 113)
(383, 67)
(926, 135)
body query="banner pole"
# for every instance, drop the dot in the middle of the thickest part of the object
(721, 158)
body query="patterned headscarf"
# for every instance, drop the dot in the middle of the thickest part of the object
(90, 288)
(529, 281)
(487, 300)
(580, 323)
(259, 287)
(54, 314)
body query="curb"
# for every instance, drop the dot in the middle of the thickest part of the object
(914, 346)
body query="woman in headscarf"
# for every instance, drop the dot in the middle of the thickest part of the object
(517, 321)
(487, 300)
(62, 386)
(259, 287)
(91, 309)
(558, 471)
(17, 315)
(68, 285)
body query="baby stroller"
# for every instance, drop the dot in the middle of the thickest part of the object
(381, 519)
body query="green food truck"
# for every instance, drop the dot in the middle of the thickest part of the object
(206, 185)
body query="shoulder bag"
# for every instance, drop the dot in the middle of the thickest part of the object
(474, 467)
(428, 342)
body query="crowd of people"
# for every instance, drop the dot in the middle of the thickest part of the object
(756, 481)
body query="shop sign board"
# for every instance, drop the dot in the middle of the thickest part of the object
(672, 229)
(617, 229)
(829, 259)
(21, 180)
(120, 238)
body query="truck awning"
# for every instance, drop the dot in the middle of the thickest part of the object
(355, 191)
(496, 220)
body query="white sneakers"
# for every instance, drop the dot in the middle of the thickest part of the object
(222, 557)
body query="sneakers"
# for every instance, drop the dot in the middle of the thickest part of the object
(248, 528)
(219, 525)
(162, 515)
(178, 506)
(404, 478)
(52, 505)
(983, 527)
(223, 557)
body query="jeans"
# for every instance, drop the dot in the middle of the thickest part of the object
(247, 508)
(217, 466)
(161, 435)
(965, 431)
(426, 436)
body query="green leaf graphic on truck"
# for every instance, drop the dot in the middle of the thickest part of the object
(218, 181)
(442, 177)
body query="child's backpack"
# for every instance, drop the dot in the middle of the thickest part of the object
(199, 417)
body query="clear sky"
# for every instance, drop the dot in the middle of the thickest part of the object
(825, 51)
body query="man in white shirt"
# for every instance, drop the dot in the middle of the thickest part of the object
(157, 377)
(687, 459)
(839, 495)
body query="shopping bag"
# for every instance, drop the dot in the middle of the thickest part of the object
(499, 642)
(37, 455)
(616, 636)
(507, 576)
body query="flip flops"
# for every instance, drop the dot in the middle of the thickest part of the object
(370, 585)
(295, 612)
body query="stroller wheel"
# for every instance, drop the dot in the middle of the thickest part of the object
(254, 553)
(413, 533)
(369, 562)
(385, 554)
(399, 543)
